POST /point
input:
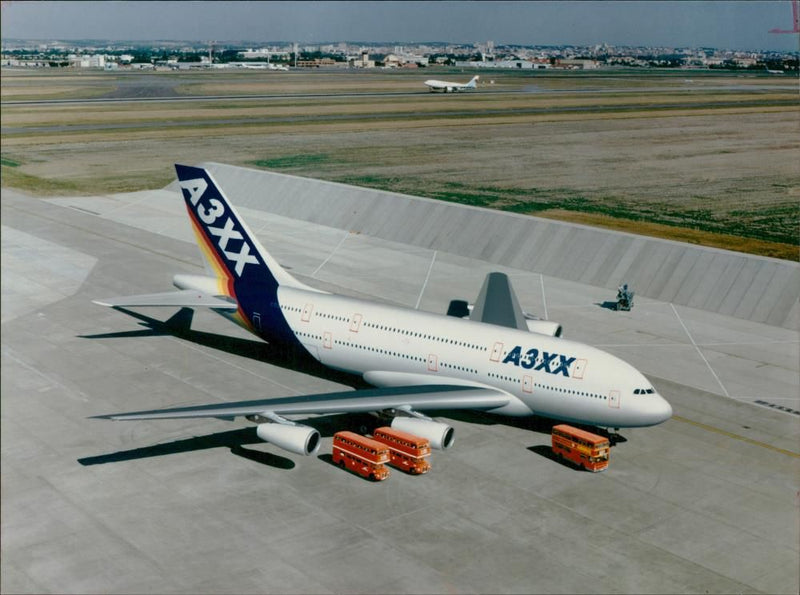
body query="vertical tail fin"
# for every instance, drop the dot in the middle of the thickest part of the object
(473, 83)
(234, 254)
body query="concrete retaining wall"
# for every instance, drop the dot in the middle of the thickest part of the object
(748, 287)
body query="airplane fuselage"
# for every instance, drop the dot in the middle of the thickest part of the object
(396, 346)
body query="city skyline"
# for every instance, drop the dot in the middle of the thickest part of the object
(723, 24)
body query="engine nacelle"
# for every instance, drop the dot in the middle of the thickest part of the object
(544, 327)
(440, 435)
(294, 438)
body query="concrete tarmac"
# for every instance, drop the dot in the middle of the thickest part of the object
(706, 502)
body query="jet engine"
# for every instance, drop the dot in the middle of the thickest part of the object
(544, 327)
(440, 435)
(296, 438)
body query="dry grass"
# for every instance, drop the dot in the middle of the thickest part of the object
(720, 176)
(679, 234)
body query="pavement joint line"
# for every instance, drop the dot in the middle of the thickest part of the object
(709, 428)
(544, 299)
(727, 344)
(70, 392)
(232, 364)
(688, 334)
(107, 237)
(125, 204)
(324, 262)
(639, 305)
(427, 278)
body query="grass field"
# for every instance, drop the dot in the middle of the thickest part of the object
(707, 158)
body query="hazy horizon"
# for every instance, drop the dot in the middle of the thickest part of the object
(718, 24)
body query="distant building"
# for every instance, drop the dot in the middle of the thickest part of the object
(362, 61)
(508, 64)
(577, 64)
(83, 61)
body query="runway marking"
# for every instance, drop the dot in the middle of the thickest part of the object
(544, 299)
(427, 278)
(777, 407)
(688, 334)
(703, 426)
(324, 262)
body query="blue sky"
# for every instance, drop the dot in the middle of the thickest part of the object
(718, 23)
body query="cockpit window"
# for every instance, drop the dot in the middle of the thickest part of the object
(644, 391)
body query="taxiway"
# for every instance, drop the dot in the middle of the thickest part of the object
(706, 502)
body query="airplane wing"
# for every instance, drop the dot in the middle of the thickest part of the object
(442, 396)
(187, 298)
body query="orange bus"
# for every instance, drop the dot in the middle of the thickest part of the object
(361, 455)
(583, 448)
(407, 451)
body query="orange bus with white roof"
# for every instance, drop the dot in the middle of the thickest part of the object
(361, 455)
(407, 451)
(583, 448)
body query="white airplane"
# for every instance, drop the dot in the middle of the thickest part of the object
(258, 66)
(491, 358)
(448, 87)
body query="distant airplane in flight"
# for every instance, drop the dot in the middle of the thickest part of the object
(491, 357)
(449, 87)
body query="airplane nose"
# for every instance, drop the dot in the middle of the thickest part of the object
(661, 410)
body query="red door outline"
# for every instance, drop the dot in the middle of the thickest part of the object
(578, 369)
(497, 351)
(527, 384)
(613, 399)
(307, 310)
(433, 362)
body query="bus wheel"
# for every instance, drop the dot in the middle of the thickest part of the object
(372, 477)
(342, 464)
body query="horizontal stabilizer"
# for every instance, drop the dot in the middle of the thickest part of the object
(358, 401)
(188, 298)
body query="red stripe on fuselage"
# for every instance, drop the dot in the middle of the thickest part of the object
(223, 273)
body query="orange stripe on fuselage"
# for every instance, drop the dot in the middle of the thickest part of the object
(223, 274)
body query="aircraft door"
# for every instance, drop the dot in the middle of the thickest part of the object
(433, 363)
(497, 351)
(578, 368)
(527, 384)
(307, 309)
(613, 399)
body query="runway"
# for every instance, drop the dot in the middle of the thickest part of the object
(516, 111)
(706, 502)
